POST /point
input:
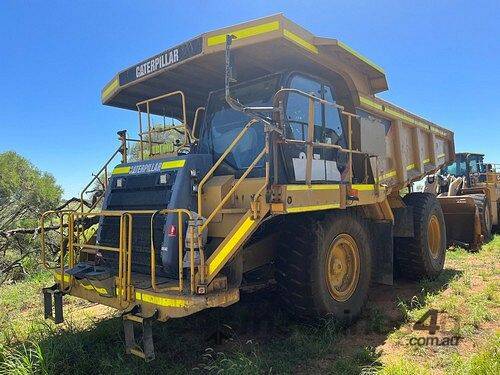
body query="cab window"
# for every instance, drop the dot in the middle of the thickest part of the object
(327, 121)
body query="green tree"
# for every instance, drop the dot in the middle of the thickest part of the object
(25, 193)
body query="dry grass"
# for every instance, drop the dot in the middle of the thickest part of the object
(264, 339)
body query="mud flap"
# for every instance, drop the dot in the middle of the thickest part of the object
(383, 252)
(52, 304)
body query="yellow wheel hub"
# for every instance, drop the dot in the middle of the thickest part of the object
(434, 236)
(342, 267)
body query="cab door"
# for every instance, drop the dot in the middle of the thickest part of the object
(328, 165)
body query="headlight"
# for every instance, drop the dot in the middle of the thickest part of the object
(163, 178)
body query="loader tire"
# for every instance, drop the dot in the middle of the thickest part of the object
(422, 256)
(484, 215)
(323, 266)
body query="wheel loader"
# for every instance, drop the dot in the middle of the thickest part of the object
(263, 158)
(468, 191)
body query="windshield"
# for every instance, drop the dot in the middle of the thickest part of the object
(456, 169)
(222, 123)
(459, 167)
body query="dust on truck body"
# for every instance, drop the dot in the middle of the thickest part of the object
(281, 166)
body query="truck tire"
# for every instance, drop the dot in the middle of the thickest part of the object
(423, 255)
(484, 215)
(323, 266)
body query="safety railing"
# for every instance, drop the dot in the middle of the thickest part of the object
(66, 239)
(101, 177)
(310, 144)
(74, 246)
(195, 122)
(152, 131)
(124, 249)
(73, 243)
(231, 191)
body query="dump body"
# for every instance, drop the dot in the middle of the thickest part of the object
(414, 147)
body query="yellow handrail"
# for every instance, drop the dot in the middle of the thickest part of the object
(104, 169)
(310, 144)
(183, 124)
(61, 214)
(232, 190)
(195, 122)
(124, 248)
(180, 212)
(220, 160)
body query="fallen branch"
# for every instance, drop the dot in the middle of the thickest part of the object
(85, 223)
(12, 232)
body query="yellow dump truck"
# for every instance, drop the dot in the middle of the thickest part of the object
(263, 157)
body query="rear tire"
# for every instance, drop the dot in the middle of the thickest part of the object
(423, 255)
(323, 267)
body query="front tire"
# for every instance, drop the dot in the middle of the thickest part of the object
(484, 215)
(324, 265)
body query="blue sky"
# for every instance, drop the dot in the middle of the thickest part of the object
(442, 60)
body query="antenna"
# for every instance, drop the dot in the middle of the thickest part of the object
(229, 74)
(230, 78)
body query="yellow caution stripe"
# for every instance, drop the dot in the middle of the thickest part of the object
(427, 161)
(318, 207)
(139, 296)
(300, 41)
(58, 277)
(441, 156)
(410, 167)
(121, 170)
(410, 120)
(92, 287)
(386, 176)
(110, 88)
(221, 255)
(312, 187)
(360, 56)
(243, 33)
(160, 300)
(364, 100)
(173, 164)
(363, 187)
(438, 131)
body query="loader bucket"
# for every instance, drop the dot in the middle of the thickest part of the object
(463, 225)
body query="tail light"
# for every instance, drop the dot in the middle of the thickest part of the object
(172, 231)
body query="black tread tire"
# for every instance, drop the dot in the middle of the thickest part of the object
(412, 258)
(300, 265)
(483, 208)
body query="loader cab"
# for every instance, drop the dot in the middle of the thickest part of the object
(467, 165)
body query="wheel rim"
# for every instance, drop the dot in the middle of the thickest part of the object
(434, 236)
(342, 267)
